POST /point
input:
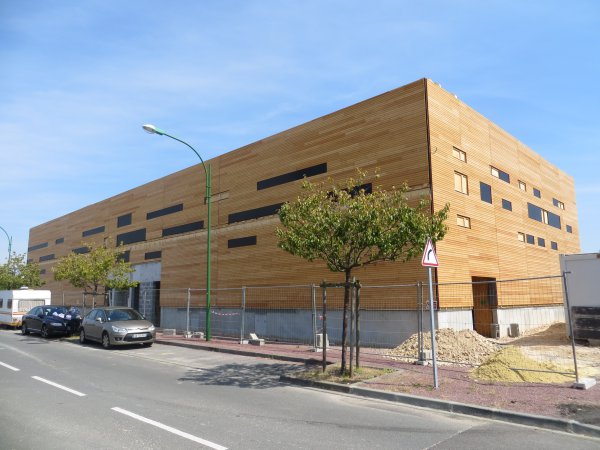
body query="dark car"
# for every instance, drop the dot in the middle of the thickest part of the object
(116, 326)
(51, 320)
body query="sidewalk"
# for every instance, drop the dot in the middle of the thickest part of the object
(556, 406)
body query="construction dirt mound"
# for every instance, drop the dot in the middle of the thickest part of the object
(459, 347)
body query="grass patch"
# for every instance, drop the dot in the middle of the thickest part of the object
(333, 375)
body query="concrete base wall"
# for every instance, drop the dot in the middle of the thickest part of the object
(386, 329)
(528, 318)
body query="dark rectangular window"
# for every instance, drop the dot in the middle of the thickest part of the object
(534, 212)
(241, 242)
(81, 250)
(164, 211)
(124, 256)
(569, 229)
(292, 176)
(49, 257)
(37, 247)
(153, 255)
(553, 220)
(124, 220)
(254, 213)
(537, 193)
(59, 241)
(93, 231)
(541, 242)
(186, 228)
(486, 192)
(554, 245)
(500, 174)
(507, 204)
(530, 239)
(131, 237)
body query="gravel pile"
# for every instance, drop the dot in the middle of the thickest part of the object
(462, 347)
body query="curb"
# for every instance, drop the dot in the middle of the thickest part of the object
(241, 352)
(569, 426)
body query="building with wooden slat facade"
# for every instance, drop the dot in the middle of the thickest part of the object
(511, 212)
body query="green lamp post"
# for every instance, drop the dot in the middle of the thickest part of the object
(153, 130)
(9, 242)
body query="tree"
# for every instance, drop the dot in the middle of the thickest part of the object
(348, 227)
(97, 271)
(16, 272)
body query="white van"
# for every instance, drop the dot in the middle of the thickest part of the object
(14, 304)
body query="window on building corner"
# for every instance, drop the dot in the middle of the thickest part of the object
(461, 183)
(463, 221)
(459, 154)
(569, 229)
(485, 192)
(500, 174)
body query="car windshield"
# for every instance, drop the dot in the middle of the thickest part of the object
(123, 314)
(54, 311)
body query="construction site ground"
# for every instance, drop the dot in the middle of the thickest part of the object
(456, 383)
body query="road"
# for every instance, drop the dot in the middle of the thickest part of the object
(58, 394)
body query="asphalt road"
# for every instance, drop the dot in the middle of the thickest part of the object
(61, 395)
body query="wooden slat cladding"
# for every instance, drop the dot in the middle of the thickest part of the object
(490, 248)
(388, 133)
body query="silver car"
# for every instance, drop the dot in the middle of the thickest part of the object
(113, 325)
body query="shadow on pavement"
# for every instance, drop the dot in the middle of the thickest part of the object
(256, 376)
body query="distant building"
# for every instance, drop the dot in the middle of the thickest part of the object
(511, 212)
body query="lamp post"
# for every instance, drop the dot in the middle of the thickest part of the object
(153, 130)
(9, 242)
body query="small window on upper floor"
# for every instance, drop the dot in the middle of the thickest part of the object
(537, 193)
(541, 242)
(459, 154)
(485, 192)
(461, 183)
(500, 174)
(507, 204)
(530, 239)
(554, 245)
(522, 186)
(463, 221)
(558, 203)
(569, 229)
(521, 236)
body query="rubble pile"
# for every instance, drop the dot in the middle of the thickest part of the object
(462, 347)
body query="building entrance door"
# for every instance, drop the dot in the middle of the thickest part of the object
(485, 301)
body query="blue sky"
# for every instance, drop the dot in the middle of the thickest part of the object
(78, 79)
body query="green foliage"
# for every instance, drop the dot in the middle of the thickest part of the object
(16, 272)
(101, 268)
(349, 229)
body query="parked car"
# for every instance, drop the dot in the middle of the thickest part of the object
(49, 320)
(116, 326)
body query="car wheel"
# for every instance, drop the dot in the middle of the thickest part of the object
(44, 331)
(147, 344)
(105, 340)
(24, 329)
(82, 338)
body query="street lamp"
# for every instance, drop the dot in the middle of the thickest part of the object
(9, 242)
(153, 130)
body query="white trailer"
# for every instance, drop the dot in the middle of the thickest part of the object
(14, 304)
(582, 273)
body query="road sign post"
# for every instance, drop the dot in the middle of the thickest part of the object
(430, 260)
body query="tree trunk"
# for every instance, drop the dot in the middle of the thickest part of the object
(345, 320)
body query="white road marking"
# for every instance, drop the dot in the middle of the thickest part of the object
(59, 386)
(170, 429)
(9, 367)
